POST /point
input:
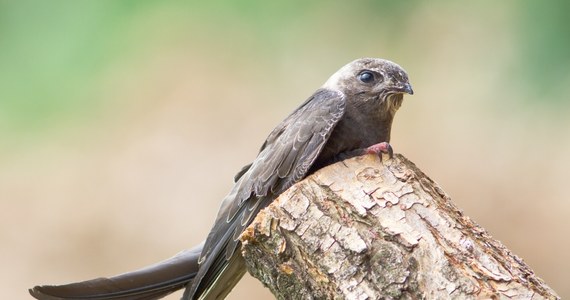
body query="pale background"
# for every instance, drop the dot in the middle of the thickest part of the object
(122, 123)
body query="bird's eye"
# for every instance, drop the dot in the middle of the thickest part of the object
(366, 77)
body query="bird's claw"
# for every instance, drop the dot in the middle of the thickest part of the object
(380, 148)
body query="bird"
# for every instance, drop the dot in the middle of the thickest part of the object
(351, 114)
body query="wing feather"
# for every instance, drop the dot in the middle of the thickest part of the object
(284, 158)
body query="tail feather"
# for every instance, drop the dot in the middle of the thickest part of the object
(152, 282)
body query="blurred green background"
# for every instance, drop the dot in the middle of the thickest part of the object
(119, 120)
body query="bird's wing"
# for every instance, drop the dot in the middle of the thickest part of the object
(285, 158)
(152, 282)
(241, 172)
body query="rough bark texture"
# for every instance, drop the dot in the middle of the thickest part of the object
(363, 229)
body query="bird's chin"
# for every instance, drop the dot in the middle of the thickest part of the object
(393, 101)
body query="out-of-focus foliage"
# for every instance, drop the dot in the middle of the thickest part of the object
(119, 120)
(51, 52)
(544, 40)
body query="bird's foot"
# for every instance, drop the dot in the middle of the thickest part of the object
(380, 148)
(376, 149)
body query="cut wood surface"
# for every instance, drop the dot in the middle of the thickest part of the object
(367, 228)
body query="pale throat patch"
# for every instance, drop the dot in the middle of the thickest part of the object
(393, 102)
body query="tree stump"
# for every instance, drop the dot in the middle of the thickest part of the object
(367, 229)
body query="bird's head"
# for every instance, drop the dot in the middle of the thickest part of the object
(372, 81)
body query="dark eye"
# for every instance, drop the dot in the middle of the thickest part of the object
(366, 77)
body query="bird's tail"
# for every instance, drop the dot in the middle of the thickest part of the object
(152, 282)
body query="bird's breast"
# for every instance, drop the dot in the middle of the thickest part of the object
(354, 132)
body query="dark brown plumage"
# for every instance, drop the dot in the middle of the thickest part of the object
(352, 111)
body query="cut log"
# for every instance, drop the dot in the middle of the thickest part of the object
(371, 228)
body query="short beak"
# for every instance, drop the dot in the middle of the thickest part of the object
(404, 88)
(407, 88)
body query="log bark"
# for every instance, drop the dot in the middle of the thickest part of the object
(367, 229)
